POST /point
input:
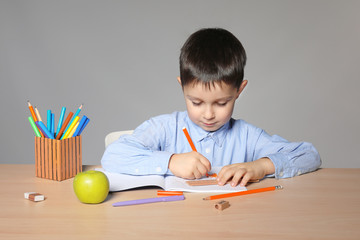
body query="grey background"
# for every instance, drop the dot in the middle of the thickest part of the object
(120, 58)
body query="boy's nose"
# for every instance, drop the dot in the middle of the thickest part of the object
(209, 113)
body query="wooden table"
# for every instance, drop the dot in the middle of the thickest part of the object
(320, 205)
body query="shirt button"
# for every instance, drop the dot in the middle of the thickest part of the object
(299, 172)
(137, 170)
(158, 169)
(281, 174)
(207, 150)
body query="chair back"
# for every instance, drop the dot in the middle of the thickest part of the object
(111, 137)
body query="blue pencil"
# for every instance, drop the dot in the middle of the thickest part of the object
(84, 125)
(52, 123)
(61, 119)
(73, 117)
(81, 123)
(44, 130)
(48, 119)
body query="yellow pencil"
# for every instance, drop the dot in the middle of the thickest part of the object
(73, 130)
(76, 119)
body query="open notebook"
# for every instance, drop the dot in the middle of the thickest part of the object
(120, 182)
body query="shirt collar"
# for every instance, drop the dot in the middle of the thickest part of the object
(198, 134)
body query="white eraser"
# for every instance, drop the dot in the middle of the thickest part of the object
(26, 195)
(34, 196)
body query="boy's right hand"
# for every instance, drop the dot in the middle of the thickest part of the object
(189, 165)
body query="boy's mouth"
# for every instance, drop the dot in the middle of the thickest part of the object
(209, 124)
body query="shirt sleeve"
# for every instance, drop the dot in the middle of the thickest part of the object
(289, 158)
(139, 153)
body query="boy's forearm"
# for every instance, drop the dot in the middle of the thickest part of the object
(267, 165)
(130, 158)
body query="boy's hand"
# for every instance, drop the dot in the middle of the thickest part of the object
(245, 171)
(189, 165)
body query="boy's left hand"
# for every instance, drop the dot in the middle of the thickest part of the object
(245, 171)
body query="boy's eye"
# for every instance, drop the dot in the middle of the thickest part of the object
(196, 103)
(222, 103)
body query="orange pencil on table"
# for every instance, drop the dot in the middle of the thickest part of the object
(226, 195)
(169, 193)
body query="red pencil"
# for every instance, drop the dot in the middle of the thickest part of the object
(226, 195)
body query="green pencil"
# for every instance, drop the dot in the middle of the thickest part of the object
(36, 130)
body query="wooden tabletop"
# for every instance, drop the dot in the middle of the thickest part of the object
(321, 205)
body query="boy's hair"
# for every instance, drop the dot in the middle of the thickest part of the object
(212, 55)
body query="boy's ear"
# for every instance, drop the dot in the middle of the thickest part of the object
(242, 86)
(179, 80)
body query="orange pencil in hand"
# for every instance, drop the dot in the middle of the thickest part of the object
(187, 135)
(189, 139)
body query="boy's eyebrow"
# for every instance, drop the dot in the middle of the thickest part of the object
(219, 99)
(192, 98)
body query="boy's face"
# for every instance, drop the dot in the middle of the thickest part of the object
(211, 108)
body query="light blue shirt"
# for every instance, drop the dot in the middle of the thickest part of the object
(149, 148)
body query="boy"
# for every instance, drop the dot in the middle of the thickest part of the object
(211, 75)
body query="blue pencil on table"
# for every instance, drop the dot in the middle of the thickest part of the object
(61, 119)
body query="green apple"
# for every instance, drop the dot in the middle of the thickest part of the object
(91, 186)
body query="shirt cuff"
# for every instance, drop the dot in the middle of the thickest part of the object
(282, 166)
(160, 162)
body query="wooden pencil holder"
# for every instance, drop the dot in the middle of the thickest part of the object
(58, 159)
